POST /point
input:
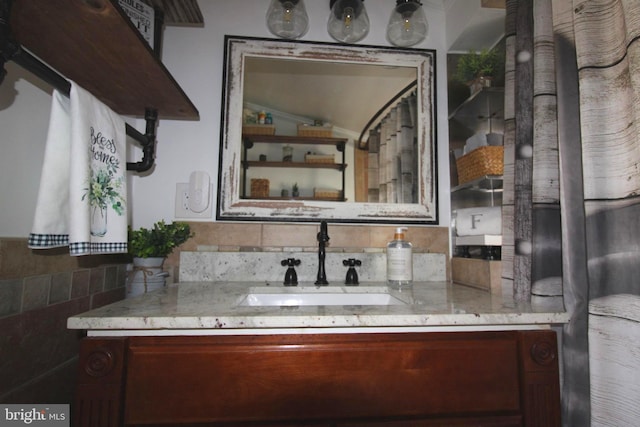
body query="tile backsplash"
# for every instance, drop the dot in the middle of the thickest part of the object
(31, 280)
(39, 291)
(358, 239)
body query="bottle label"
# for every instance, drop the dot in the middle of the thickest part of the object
(399, 264)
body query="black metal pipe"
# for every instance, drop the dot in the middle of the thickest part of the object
(158, 26)
(29, 62)
(42, 71)
(26, 60)
(149, 144)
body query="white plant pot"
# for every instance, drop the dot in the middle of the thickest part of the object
(146, 276)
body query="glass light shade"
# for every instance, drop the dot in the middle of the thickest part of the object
(407, 24)
(348, 21)
(287, 18)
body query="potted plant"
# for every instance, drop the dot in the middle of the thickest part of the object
(149, 248)
(476, 69)
(295, 191)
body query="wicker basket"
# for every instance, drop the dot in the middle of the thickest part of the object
(488, 160)
(317, 131)
(326, 193)
(259, 188)
(256, 129)
(319, 158)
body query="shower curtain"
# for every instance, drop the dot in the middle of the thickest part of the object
(573, 133)
(393, 166)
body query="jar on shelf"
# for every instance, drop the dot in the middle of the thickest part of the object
(287, 153)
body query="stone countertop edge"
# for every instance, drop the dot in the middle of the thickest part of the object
(215, 306)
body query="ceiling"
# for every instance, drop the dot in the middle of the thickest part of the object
(471, 24)
(474, 24)
(178, 12)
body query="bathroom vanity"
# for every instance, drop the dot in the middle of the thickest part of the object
(205, 353)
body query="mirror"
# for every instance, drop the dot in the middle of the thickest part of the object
(318, 115)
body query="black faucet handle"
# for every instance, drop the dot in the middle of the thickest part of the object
(352, 274)
(352, 262)
(290, 277)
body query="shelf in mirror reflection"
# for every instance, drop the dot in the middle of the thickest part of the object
(487, 183)
(306, 165)
(293, 199)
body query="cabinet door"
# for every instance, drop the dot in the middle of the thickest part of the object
(308, 378)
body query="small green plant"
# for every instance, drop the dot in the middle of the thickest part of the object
(158, 241)
(477, 64)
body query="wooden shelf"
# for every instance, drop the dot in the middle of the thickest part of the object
(320, 199)
(484, 105)
(276, 139)
(305, 165)
(94, 44)
(487, 183)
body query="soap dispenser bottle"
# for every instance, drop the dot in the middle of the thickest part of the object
(399, 261)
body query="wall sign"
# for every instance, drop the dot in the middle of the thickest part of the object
(142, 16)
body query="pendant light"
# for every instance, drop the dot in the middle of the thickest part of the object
(348, 20)
(287, 18)
(407, 24)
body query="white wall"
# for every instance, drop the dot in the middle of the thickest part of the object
(24, 117)
(194, 57)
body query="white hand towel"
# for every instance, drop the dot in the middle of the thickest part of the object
(82, 198)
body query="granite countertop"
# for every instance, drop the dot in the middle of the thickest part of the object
(215, 307)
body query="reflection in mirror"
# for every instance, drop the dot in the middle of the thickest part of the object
(322, 131)
(324, 99)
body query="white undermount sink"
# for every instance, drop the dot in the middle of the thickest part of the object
(319, 295)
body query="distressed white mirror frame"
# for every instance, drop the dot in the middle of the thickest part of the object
(231, 207)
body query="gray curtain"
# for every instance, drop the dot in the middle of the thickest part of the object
(392, 158)
(531, 251)
(572, 163)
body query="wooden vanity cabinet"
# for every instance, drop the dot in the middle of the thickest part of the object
(507, 378)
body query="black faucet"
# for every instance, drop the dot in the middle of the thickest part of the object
(323, 238)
